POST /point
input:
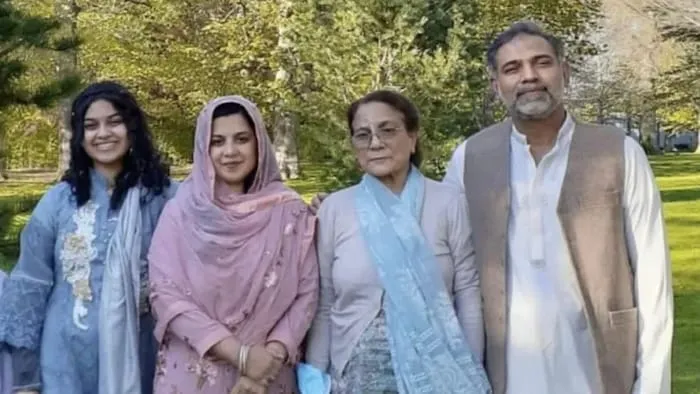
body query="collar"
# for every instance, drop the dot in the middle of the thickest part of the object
(565, 132)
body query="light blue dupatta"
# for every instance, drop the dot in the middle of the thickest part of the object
(430, 354)
(119, 371)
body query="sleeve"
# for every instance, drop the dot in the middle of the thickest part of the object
(466, 289)
(25, 293)
(26, 373)
(294, 324)
(319, 338)
(454, 175)
(649, 256)
(173, 310)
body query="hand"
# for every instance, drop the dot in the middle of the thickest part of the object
(27, 392)
(245, 385)
(278, 350)
(316, 202)
(262, 366)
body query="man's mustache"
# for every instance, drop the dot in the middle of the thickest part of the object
(530, 90)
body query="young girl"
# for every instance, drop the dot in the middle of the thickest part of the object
(75, 309)
(233, 265)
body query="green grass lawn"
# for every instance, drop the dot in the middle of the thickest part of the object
(679, 180)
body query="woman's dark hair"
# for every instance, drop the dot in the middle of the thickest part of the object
(142, 164)
(230, 109)
(401, 103)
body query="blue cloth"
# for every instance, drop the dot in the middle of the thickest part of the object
(430, 354)
(311, 380)
(51, 301)
(119, 310)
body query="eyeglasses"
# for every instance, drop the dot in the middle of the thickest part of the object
(363, 139)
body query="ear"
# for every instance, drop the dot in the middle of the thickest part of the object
(566, 71)
(493, 81)
(414, 141)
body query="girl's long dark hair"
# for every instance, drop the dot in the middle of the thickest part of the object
(142, 164)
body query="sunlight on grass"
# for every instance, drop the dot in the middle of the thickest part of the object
(679, 180)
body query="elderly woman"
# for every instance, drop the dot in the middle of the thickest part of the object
(400, 305)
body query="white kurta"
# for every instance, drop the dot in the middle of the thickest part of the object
(550, 349)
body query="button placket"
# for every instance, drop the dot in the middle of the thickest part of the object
(535, 208)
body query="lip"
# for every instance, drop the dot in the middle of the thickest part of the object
(524, 92)
(105, 145)
(379, 159)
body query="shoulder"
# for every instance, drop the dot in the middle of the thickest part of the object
(601, 132)
(488, 137)
(442, 197)
(340, 199)
(56, 196)
(46, 212)
(339, 202)
(634, 150)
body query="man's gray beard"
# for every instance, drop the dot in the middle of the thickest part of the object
(552, 106)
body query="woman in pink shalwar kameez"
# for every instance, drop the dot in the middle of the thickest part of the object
(233, 268)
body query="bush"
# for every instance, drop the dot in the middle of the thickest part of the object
(12, 209)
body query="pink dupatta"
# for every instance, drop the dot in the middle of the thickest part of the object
(245, 261)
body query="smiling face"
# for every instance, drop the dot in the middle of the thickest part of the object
(529, 78)
(106, 139)
(233, 150)
(382, 144)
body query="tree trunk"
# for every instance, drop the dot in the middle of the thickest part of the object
(66, 63)
(285, 122)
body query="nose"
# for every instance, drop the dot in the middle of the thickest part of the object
(529, 73)
(230, 149)
(104, 130)
(374, 142)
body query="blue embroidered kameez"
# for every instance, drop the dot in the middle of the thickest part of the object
(49, 308)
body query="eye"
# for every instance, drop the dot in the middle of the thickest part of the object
(90, 126)
(361, 136)
(116, 122)
(216, 141)
(243, 139)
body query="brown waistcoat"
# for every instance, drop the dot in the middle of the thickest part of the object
(592, 216)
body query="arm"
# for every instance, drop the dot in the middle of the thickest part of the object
(649, 255)
(293, 325)
(319, 339)
(25, 293)
(455, 168)
(466, 289)
(175, 312)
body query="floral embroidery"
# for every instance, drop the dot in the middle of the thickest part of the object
(76, 255)
(270, 279)
(206, 372)
(161, 360)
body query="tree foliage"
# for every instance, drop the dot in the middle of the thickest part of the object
(19, 31)
(177, 54)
